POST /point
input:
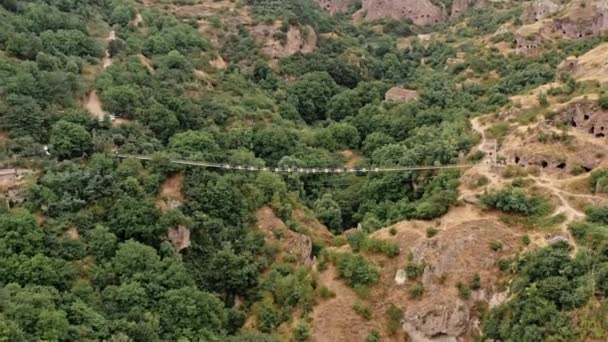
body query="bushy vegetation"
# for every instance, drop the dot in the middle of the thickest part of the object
(552, 284)
(356, 270)
(87, 254)
(515, 200)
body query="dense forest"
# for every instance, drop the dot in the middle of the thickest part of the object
(85, 254)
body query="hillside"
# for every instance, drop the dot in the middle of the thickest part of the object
(303, 170)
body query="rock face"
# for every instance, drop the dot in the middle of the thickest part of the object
(179, 237)
(461, 6)
(538, 10)
(298, 40)
(587, 116)
(293, 245)
(421, 12)
(336, 6)
(529, 45)
(397, 94)
(583, 20)
(443, 315)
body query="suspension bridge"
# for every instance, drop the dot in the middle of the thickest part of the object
(301, 170)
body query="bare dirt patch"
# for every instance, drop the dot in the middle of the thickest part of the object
(170, 195)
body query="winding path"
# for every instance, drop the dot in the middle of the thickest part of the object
(93, 104)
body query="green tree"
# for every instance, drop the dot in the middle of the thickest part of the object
(329, 213)
(311, 95)
(190, 313)
(69, 140)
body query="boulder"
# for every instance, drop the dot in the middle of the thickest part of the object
(397, 94)
(400, 277)
(179, 237)
(420, 12)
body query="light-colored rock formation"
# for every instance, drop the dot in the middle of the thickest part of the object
(461, 6)
(538, 10)
(179, 237)
(397, 94)
(400, 277)
(583, 19)
(298, 40)
(528, 45)
(588, 116)
(292, 244)
(336, 6)
(421, 12)
(592, 66)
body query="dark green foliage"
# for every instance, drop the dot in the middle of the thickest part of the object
(311, 95)
(395, 315)
(356, 270)
(374, 245)
(515, 200)
(69, 140)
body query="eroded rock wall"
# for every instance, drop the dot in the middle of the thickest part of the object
(421, 12)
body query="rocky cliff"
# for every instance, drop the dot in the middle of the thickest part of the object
(336, 6)
(538, 10)
(421, 12)
(460, 6)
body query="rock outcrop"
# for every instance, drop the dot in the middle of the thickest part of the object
(538, 10)
(397, 94)
(421, 12)
(179, 237)
(297, 40)
(583, 19)
(528, 45)
(592, 66)
(336, 6)
(292, 245)
(461, 6)
(587, 116)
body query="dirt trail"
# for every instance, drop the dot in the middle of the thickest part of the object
(546, 182)
(93, 105)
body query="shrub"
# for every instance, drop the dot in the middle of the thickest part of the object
(475, 282)
(395, 315)
(464, 292)
(373, 336)
(417, 291)
(393, 231)
(363, 310)
(356, 269)
(414, 270)
(496, 246)
(430, 232)
(301, 332)
(515, 200)
(387, 248)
